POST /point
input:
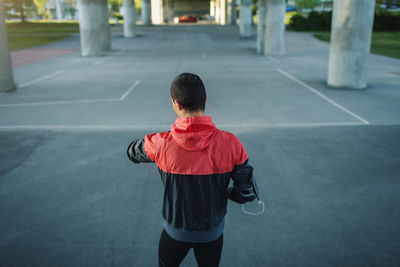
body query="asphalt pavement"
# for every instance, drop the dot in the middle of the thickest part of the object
(326, 160)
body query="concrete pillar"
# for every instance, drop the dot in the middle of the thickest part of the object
(261, 26)
(129, 18)
(350, 43)
(146, 12)
(59, 9)
(6, 72)
(157, 12)
(274, 41)
(245, 17)
(212, 9)
(217, 11)
(223, 12)
(91, 22)
(105, 29)
(168, 11)
(232, 12)
(51, 6)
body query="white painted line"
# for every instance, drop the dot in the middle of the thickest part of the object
(41, 78)
(294, 125)
(119, 52)
(273, 60)
(84, 127)
(82, 101)
(136, 83)
(236, 75)
(69, 78)
(364, 121)
(97, 62)
(167, 127)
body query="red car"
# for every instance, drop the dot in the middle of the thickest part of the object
(187, 19)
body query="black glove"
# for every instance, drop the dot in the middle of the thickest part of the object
(240, 197)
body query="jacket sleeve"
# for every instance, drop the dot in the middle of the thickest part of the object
(244, 185)
(136, 152)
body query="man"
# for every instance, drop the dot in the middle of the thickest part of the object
(196, 162)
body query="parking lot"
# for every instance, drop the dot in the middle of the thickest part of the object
(326, 160)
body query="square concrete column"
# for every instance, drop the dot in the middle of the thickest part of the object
(157, 11)
(146, 12)
(129, 18)
(212, 9)
(6, 72)
(274, 41)
(231, 12)
(106, 32)
(245, 18)
(217, 11)
(51, 6)
(260, 26)
(60, 9)
(350, 43)
(91, 27)
(223, 12)
(168, 11)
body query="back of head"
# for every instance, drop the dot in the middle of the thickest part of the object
(189, 91)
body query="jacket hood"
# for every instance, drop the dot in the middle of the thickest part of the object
(193, 133)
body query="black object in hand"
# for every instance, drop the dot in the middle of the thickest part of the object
(240, 197)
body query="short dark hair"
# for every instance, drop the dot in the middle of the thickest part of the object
(189, 91)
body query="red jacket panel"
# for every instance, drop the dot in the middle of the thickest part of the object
(194, 146)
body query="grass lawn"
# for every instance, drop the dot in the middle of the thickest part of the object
(21, 42)
(42, 27)
(31, 34)
(383, 43)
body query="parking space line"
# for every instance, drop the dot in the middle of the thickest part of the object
(79, 101)
(62, 102)
(159, 127)
(97, 62)
(235, 75)
(364, 121)
(83, 127)
(69, 78)
(119, 52)
(136, 83)
(273, 60)
(51, 75)
(293, 125)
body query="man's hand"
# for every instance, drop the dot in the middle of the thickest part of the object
(240, 197)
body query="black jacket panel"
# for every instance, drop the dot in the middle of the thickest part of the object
(198, 202)
(195, 202)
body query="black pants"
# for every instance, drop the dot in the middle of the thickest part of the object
(171, 252)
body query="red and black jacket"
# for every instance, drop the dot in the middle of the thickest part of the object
(196, 162)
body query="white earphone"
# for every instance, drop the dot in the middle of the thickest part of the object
(260, 202)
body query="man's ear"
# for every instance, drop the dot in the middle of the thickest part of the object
(177, 105)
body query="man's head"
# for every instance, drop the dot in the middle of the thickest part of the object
(188, 93)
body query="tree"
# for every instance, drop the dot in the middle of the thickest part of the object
(19, 6)
(71, 4)
(40, 6)
(115, 5)
(304, 4)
